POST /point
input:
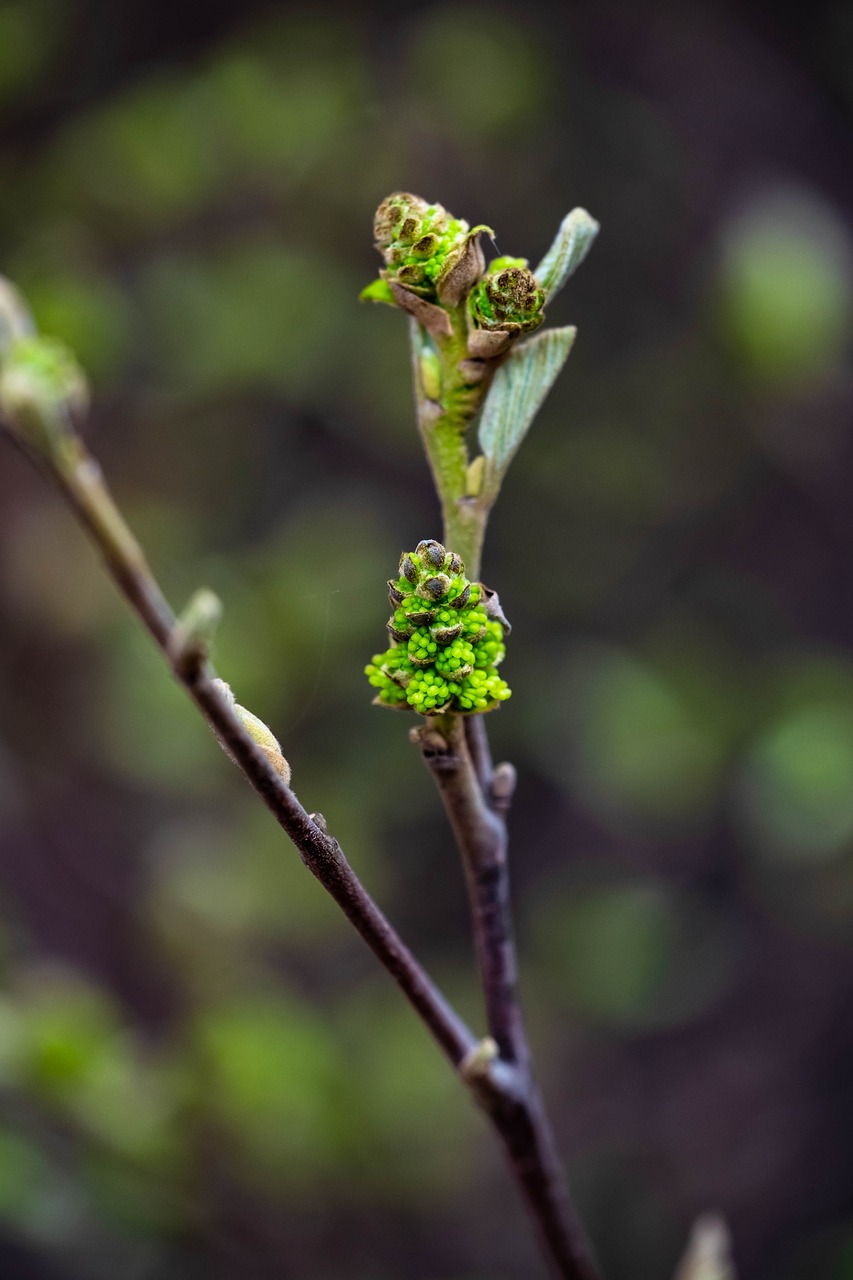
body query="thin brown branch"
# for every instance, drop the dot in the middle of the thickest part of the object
(475, 797)
(79, 479)
(497, 1073)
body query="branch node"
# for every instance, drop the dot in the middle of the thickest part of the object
(503, 785)
(477, 1064)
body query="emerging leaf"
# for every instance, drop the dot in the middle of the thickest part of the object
(378, 291)
(571, 245)
(520, 385)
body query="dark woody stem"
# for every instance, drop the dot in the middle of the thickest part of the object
(79, 478)
(475, 797)
(503, 1090)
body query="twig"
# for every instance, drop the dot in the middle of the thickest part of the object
(503, 1092)
(481, 753)
(480, 831)
(79, 479)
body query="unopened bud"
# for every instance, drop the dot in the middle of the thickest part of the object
(193, 635)
(260, 733)
(426, 250)
(43, 392)
(508, 299)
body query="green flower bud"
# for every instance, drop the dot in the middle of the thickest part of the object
(428, 253)
(506, 303)
(442, 658)
(43, 392)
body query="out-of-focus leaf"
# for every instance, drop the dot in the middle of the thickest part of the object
(610, 948)
(521, 384)
(571, 244)
(708, 1254)
(461, 52)
(270, 1080)
(785, 296)
(795, 797)
(23, 1175)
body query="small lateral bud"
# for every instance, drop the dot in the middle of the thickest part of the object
(478, 1062)
(43, 392)
(431, 375)
(474, 476)
(192, 638)
(260, 734)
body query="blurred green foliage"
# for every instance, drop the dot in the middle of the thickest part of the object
(786, 290)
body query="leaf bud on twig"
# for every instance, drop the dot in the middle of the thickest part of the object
(43, 392)
(194, 631)
(258, 732)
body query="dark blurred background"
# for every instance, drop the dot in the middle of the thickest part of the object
(203, 1073)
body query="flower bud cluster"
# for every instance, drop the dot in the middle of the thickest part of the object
(508, 298)
(416, 239)
(446, 646)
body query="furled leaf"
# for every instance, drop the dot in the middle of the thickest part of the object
(571, 245)
(520, 385)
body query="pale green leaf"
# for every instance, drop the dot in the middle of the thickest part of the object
(520, 385)
(571, 245)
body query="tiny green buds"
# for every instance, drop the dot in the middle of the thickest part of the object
(430, 258)
(415, 238)
(43, 392)
(506, 303)
(448, 639)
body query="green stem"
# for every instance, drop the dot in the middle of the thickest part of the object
(449, 391)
